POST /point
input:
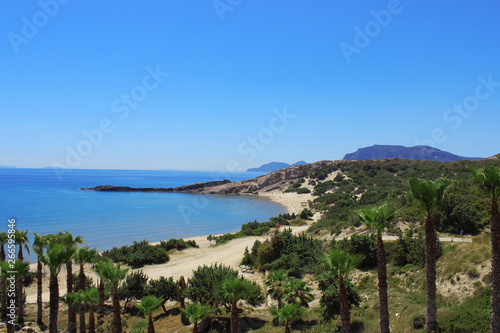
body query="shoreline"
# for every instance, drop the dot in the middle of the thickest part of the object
(182, 263)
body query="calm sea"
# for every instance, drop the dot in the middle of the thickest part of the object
(43, 203)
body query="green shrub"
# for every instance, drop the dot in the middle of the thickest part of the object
(134, 287)
(297, 253)
(411, 250)
(473, 315)
(138, 254)
(329, 301)
(303, 190)
(177, 244)
(204, 285)
(456, 215)
(365, 245)
(164, 289)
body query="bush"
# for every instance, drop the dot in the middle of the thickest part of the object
(365, 245)
(164, 289)
(178, 244)
(473, 315)
(456, 215)
(305, 214)
(134, 287)
(204, 285)
(411, 250)
(329, 301)
(139, 254)
(297, 253)
(303, 190)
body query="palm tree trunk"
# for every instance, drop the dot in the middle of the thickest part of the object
(151, 326)
(81, 307)
(235, 324)
(495, 267)
(53, 303)
(195, 327)
(69, 289)
(39, 286)
(20, 301)
(100, 306)
(382, 286)
(81, 312)
(430, 272)
(91, 320)
(287, 327)
(117, 320)
(345, 315)
(20, 255)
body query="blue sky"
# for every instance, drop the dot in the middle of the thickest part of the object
(230, 84)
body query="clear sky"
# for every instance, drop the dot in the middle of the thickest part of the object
(229, 84)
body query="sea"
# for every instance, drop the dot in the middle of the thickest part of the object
(44, 201)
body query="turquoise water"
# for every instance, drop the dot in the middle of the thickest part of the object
(41, 202)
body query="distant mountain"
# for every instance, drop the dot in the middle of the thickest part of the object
(423, 153)
(273, 166)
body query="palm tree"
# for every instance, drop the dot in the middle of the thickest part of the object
(287, 314)
(340, 264)
(235, 289)
(73, 300)
(41, 241)
(83, 256)
(57, 255)
(195, 313)
(148, 305)
(488, 180)
(113, 275)
(3, 287)
(297, 292)
(68, 240)
(275, 283)
(90, 298)
(430, 194)
(99, 268)
(22, 240)
(377, 219)
(21, 268)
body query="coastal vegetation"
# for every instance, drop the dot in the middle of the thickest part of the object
(143, 253)
(315, 282)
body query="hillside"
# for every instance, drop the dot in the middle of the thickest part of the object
(273, 166)
(335, 191)
(424, 153)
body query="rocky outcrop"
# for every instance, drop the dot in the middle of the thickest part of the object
(183, 189)
(272, 181)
